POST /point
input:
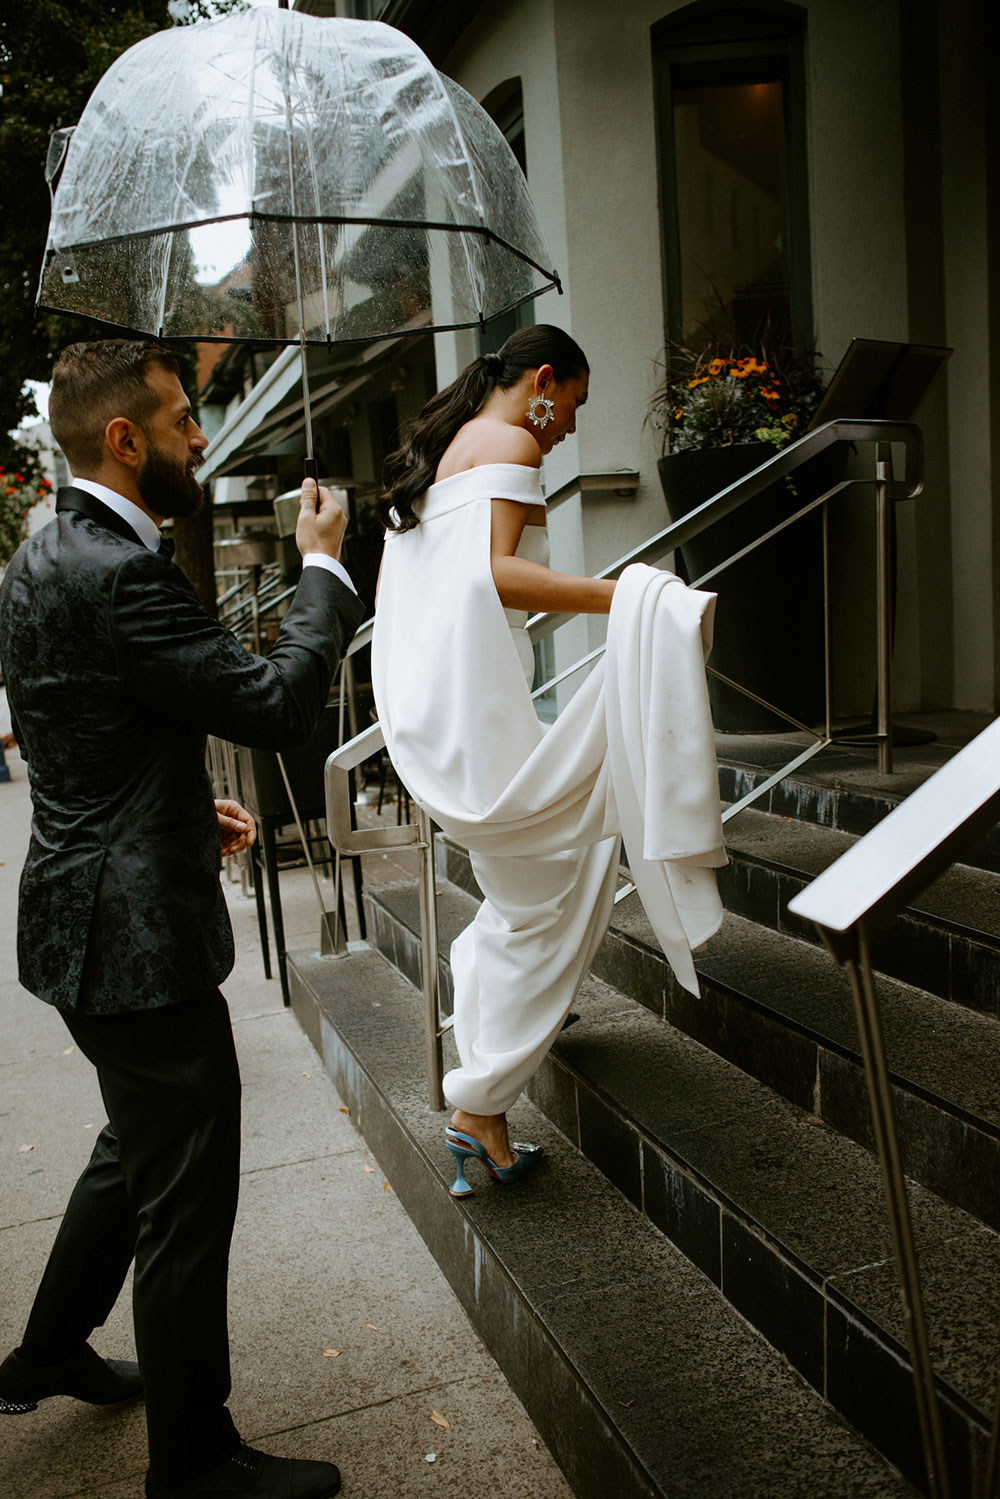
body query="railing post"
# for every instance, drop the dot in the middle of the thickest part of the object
(884, 604)
(827, 636)
(862, 980)
(429, 959)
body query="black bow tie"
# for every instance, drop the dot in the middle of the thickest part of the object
(166, 547)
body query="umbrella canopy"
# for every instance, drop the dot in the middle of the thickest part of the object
(279, 177)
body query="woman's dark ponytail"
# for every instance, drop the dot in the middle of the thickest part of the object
(410, 470)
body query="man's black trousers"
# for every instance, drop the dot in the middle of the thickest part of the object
(162, 1186)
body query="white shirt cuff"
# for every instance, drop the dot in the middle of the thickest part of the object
(320, 559)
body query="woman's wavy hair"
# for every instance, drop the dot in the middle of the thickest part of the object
(409, 471)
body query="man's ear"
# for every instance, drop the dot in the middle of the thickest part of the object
(125, 441)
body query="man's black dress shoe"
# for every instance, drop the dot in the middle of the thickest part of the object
(258, 1474)
(85, 1376)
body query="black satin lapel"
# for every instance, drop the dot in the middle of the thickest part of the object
(91, 506)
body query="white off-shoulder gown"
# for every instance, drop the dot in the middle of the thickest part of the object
(541, 809)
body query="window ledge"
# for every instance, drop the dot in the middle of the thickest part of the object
(622, 482)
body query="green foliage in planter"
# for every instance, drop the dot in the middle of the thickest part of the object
(721, 396)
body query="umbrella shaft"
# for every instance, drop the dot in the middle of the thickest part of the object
(305, 391)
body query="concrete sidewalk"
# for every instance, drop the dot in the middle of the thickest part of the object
(324, 1259)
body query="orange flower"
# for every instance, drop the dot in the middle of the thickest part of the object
(716, 367)
(679, 412)
(701, 380)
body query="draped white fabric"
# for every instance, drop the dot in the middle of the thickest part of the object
(632, 754)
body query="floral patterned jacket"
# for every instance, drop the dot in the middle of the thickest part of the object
(116, 675)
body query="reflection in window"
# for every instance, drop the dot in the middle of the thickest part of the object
(731, 119)
(732, 210)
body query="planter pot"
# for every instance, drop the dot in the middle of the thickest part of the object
(769, 618)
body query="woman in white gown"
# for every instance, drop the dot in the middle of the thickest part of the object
(465, 562)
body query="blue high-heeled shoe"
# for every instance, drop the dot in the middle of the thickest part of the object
(467, 1147)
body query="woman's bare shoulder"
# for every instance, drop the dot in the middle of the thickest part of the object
(488, 440)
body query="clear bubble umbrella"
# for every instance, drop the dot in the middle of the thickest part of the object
(283, 178)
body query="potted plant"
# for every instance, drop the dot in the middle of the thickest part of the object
(721, 411)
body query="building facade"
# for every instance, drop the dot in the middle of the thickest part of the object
(829, 165)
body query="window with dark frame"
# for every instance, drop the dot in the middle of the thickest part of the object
(734, 206)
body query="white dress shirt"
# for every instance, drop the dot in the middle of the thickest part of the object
(148, 531)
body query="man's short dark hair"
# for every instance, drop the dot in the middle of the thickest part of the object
(92, 383)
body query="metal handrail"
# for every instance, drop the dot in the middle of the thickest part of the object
(849, 903)
(347, 840)
(782, 464)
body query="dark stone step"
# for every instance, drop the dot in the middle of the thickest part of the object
(842, 787)
(641, 1378)
(781, 1010)
(784, 1215)
(947, 942)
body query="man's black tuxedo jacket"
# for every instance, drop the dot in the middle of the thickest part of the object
(115, 676)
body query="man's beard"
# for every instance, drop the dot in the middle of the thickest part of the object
(167, 487)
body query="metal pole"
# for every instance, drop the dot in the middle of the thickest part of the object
(900, 1225)
(333, 935)
(827, 654)
(310, 465)
(883, 726)
(429, 959)
(991, 1489)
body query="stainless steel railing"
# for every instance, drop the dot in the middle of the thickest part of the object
(848, 904)
(784, 462)
(347, 840)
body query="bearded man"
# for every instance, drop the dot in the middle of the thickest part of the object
(115, 675)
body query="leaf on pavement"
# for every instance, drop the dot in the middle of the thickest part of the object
(440, 1420)
(331, 1352)
(25, 1148)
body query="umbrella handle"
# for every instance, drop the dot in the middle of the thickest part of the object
(311, 467)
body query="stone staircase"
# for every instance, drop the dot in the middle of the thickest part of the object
(694, 1294)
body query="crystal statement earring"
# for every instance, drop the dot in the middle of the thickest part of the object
(540, 411)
